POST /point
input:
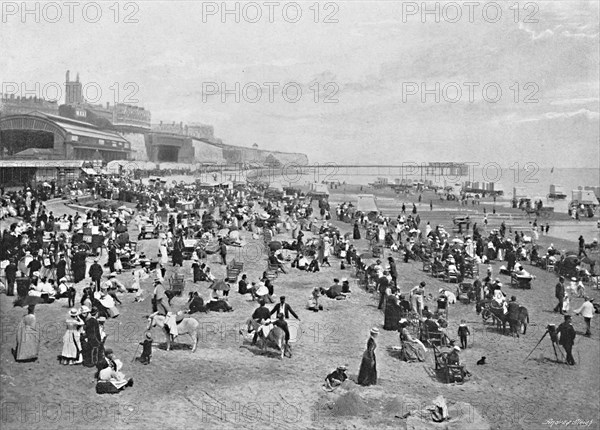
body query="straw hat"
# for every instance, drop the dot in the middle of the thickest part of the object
(84, 310)
(73, 312)
(374, 331)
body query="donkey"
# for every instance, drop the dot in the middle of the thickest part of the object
(276, 336)
(187, 326)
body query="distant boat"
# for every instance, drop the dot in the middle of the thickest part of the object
(552, 170)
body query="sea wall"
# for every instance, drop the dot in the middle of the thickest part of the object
(138, 146)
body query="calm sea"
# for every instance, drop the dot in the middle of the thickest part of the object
(534, 180)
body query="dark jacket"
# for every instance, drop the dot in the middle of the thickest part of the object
(95, 271)
(513, 310)
(559, 291)
(383, 284)
(287, 310)
(261, 313)
(567, 334)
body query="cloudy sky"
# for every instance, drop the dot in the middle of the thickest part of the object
(361, 69)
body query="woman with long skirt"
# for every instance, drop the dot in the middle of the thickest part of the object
(412, 349)
(356, 234)
(28, 337)
(368, 367)
(71, 352)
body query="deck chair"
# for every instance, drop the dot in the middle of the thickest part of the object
(451, 277)
(427, 266)
(177, 284)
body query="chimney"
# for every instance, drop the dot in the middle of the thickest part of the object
(161, 123)
(68, 76)
(77, 79)
(107, 105)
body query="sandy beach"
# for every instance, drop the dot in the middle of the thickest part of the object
(227, 383)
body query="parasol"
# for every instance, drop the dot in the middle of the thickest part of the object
(275, 245)
(220, 285)
(28, 300)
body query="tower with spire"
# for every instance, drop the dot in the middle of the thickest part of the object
(73, 90)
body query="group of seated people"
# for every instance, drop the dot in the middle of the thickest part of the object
(48, 291)
(302, 263)
(337, 291)
(201, 272)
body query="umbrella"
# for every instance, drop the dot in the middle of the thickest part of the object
(220, 285)
(366, 255)
(28, 300)
(223, 232)
(457, 240)
(275, 245)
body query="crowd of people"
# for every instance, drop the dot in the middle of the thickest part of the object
(46, 255)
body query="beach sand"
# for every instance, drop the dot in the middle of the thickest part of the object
(227, 383)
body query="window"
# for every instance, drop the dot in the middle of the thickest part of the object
(75, 138)
(101, 141)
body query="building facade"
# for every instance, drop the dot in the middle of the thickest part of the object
(61, 137)
(15, 105)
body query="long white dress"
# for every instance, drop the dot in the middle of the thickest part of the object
(164, 258)
(71, 341)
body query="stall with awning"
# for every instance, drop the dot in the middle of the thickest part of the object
(366, 203)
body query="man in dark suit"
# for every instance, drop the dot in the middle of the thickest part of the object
(61, 267)
(559, 293)
(513, 316)
(95, 273)
(284, 308)
(11, 277)
(566, 338)
(34, 266)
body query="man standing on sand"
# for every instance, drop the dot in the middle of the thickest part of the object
(95, 273)
(513, 316)
(223, 251)
(566, 338)
(581, 246)
(559, 293)
(587, 312)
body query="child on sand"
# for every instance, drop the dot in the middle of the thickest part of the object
(146, 349)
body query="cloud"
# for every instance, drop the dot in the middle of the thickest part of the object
(580, 114)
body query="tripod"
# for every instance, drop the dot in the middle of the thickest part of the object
(553, 347)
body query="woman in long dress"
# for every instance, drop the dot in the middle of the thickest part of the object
(71, 352)
(28, 337)
(164, 258)
(367, 374)
(356, 233)
(412, 349)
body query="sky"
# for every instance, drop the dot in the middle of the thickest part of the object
(361, 78)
